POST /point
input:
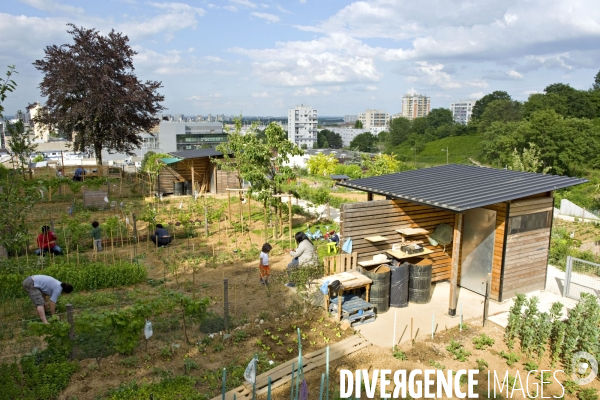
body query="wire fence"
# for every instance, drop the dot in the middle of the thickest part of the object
(581, 277)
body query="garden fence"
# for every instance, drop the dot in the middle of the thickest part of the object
(581, 277)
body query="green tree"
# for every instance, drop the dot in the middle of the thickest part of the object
(38, 158)
(399, 130)
(499, 111)
(382, 164)
(596, 85)
(365, 142)
(359, 125)
(235, 150)
(481, 104)
(439, 117)
(7, 85)
(20, 146)
(93, 95)
(528, 160)
(579, 102)
(353, 171)
(541, 101)
(152, 168)
(321, 164)
(328, 139)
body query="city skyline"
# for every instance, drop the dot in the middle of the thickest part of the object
(340, 57)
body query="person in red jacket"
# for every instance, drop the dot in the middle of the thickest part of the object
(47, 242)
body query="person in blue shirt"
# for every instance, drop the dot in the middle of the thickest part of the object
(161, 236)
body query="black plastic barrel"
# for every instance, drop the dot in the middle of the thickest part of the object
(188, 189)
(177, 188)
(399, 286)
(419, 282)
(380, 288)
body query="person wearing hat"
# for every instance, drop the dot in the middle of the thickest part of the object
(39, 287)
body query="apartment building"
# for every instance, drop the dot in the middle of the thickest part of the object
(415, 106)
(302, 125)
(462, 110)
(177, 136)
(371, 119)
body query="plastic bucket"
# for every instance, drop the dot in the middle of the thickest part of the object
(380, 288)
(177, 188)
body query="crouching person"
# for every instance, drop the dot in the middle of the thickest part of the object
(40, 286)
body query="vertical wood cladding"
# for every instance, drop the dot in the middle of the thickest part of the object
(526, 255)
(384, 217)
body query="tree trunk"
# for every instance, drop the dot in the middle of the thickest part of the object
(98, 153)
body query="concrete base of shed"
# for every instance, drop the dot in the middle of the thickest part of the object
(381, 332)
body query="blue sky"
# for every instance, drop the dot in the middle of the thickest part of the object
(341, 57)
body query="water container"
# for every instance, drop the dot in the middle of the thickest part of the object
(380, 288)
(177, 188)
(399, 286)
(188, 189)
(419, 283)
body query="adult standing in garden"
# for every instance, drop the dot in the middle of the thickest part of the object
(47, 242)
(40, 286)
(305, 255)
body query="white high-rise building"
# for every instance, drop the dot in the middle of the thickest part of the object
(302, 125)
(462, 110)
(415, 106)
(373, 119)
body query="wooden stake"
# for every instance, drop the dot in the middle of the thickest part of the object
(112, 244)
(229, 203)
(78, 256)
(455, 260)
(266, 228)
(290, 217)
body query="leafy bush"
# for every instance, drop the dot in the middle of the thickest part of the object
(483, 341)
(86, 276)
(182, 386)
(458, 351)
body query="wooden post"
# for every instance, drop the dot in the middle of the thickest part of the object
(71, 329)
(486, 301)
(205, 218)
(136, 239)
(369, 196)
(229, 203)
(193, 186)
(456, 242)
(266, 227)
(280, 216)
(248, 199)
(226, 304)
(241, 212)
(290, 217)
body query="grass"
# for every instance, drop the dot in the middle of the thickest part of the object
(460, 149)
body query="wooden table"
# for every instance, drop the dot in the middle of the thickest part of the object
(399, 255)
(349, 280)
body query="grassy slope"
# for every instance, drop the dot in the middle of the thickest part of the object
(461, 148)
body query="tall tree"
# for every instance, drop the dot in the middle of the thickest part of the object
(20, 146)
(6, 85)
(321, 164)
(399, 130)
(541, 101)
(366, 142)
(499, 111)
(235, 149)
(579, 102)
(359, 125)
(596, 85)
(482, 103)
(93, 95)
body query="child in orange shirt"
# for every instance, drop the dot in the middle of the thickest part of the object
(264, 268)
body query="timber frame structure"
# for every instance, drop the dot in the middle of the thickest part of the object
(523, 205)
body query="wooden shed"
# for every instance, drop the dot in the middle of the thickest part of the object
(194, 169)
(500, 222)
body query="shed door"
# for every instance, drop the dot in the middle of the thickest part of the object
(477, 254)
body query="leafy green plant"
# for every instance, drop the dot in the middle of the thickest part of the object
(483, 341)
(399, 354)
(458, 351)
(570, 386)
(530, 366)
(436, 364)
(515, 321)
(588, 394)
(482, 364)
(511, 358)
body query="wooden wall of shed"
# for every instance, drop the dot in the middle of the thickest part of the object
(202, 171)
(383, 217)
(167, 176)
(526, 254)
(226, 180)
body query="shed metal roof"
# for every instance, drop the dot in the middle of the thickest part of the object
(196, 153)
(461, 187)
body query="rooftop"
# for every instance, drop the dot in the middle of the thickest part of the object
(461, 187)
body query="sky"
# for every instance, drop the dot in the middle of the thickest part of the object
(263, 57)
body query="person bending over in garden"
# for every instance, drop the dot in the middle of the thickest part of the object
(97, 236)
(40, 286)
(161, 236)
(47, 242)
(304, 255)
(263, 266)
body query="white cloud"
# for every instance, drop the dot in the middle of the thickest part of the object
(205, 97)
(476, 95)
(281, 9)
(260, 94)
(179, 8)
(530, 92)
(53, 6)
(434, 75)
(263, 5)
(302, 1)
(307, 91)
(328, 60)
(230, 8)
(503, 75)
(223, 72)
(213, 59)
(245, 3)
(265, 16)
